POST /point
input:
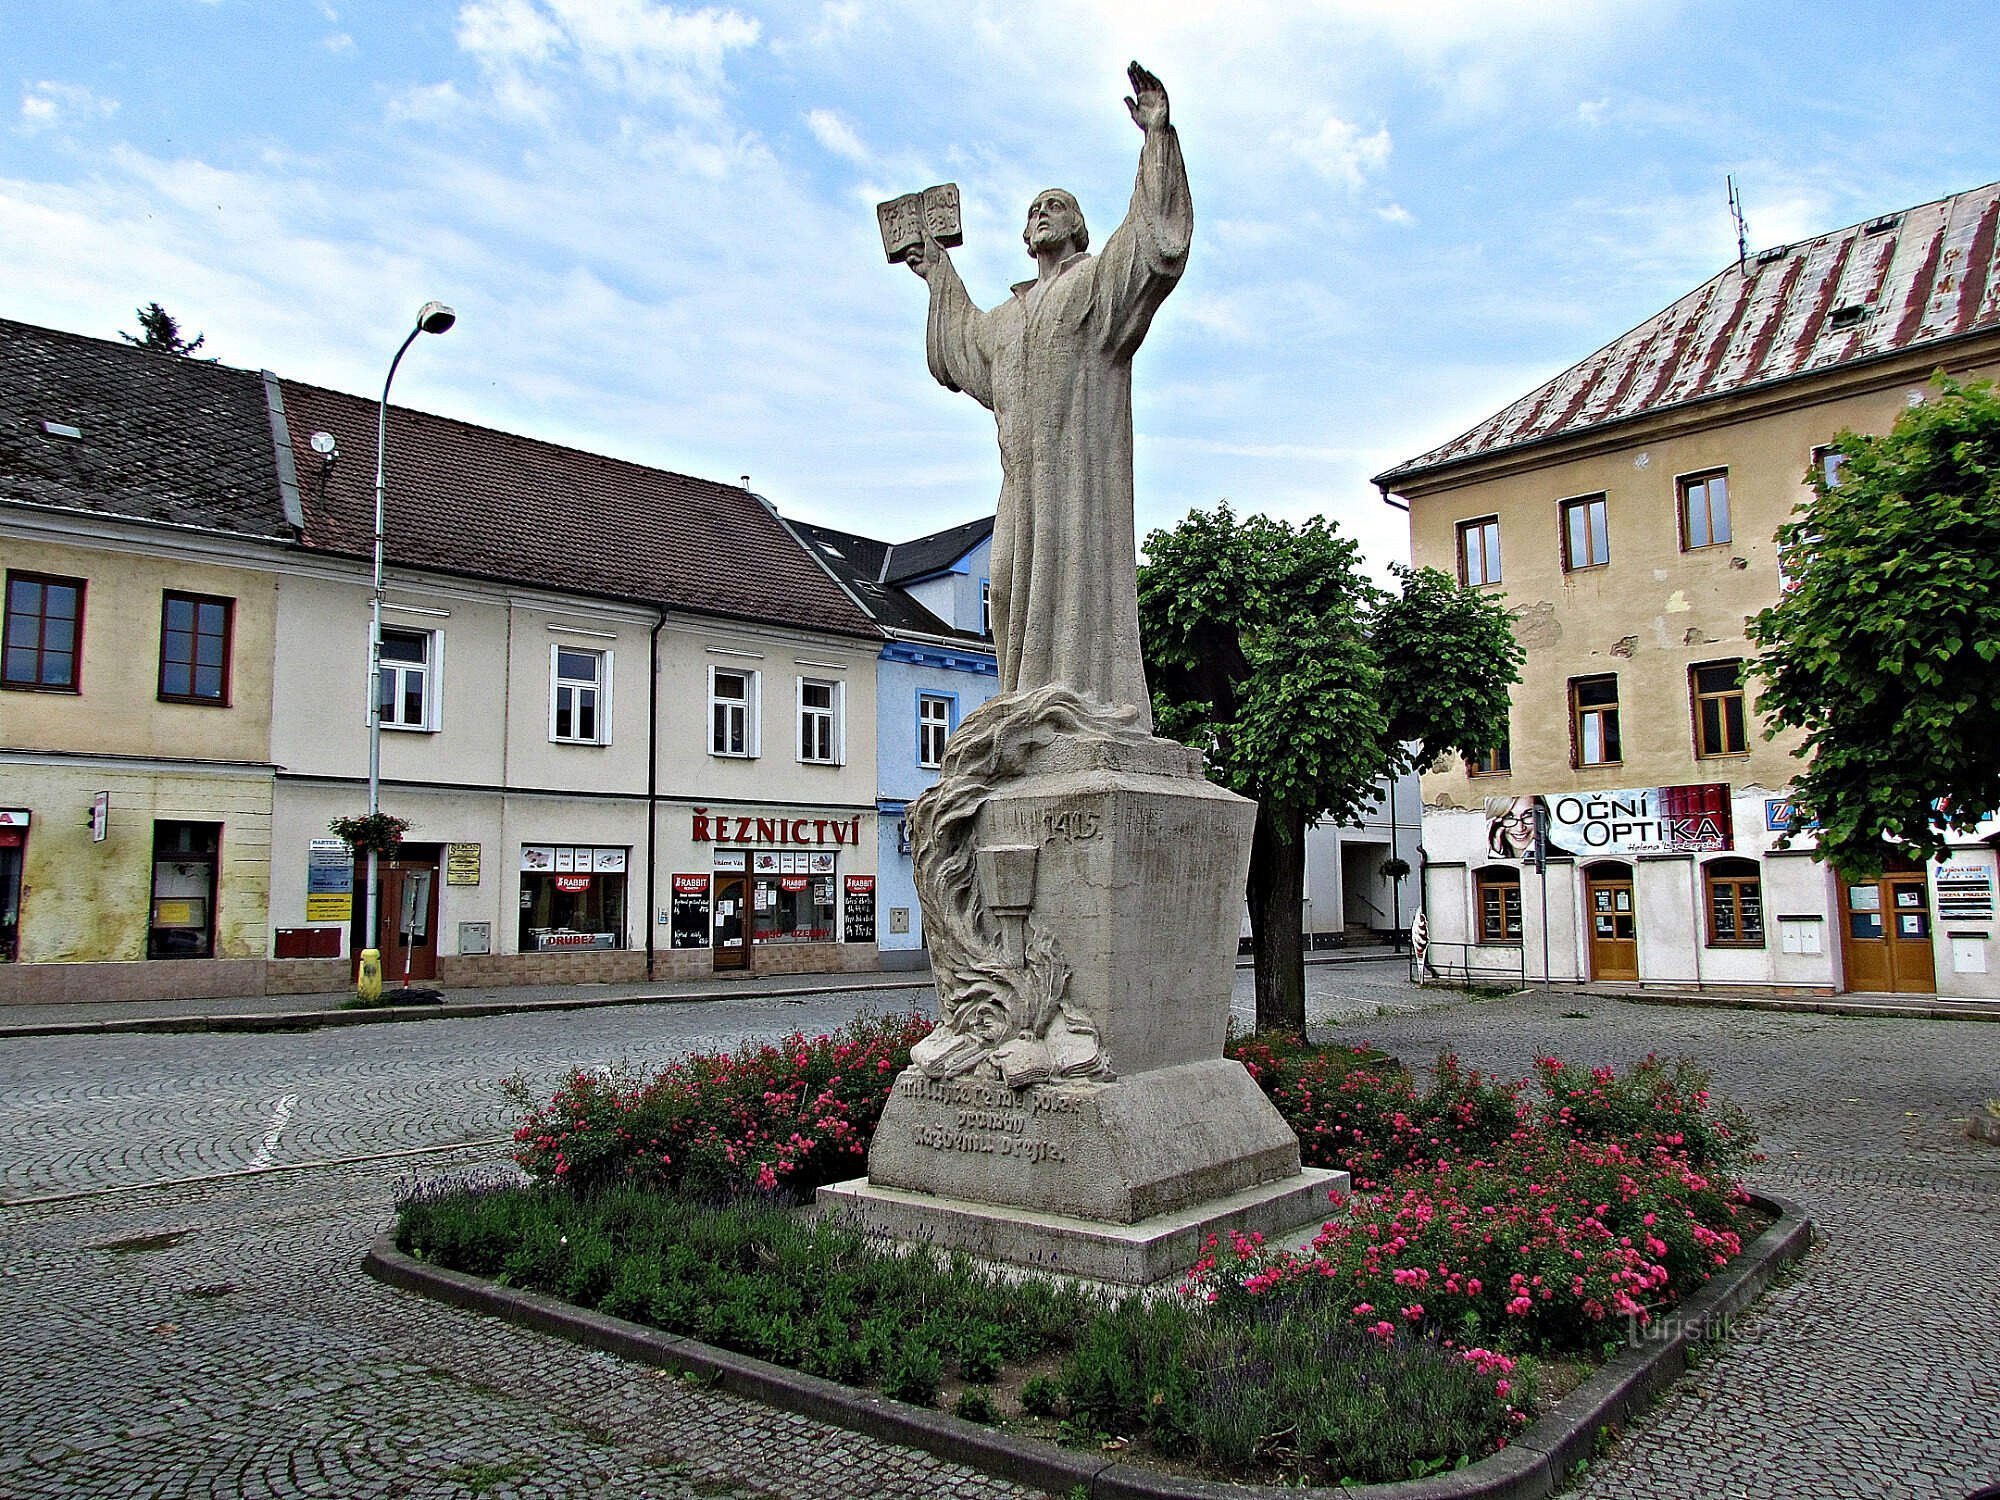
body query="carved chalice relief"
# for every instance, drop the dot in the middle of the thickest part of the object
(1001, 975)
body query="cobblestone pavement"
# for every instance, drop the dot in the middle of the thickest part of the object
(1874, 1374)
(84, 1112)
(239, 1351)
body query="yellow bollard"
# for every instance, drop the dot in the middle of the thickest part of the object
(368, 982)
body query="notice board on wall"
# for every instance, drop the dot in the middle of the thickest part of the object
(690, 912)
(860, 918)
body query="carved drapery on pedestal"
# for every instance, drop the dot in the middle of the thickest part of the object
(1000, 1002)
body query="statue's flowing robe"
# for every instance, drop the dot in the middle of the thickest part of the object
(1054, 365)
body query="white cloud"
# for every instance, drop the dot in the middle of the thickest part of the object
(1591, 111)
(338, 41)
(637, 48)
(49, 104)
(430, 102)
(1339, 152)
(834, 133)
(1395, 213)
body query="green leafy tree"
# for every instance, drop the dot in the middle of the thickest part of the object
(160, 332)
(1305, 683)
(1885, 649)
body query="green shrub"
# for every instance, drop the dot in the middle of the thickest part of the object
(913, 1374)
(1042, 1397)
(975, 1404)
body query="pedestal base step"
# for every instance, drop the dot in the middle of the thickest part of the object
(1128, 1255)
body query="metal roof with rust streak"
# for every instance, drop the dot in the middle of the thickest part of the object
(474, 500)
(1895, 283)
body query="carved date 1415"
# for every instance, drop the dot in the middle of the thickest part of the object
(1071, 825)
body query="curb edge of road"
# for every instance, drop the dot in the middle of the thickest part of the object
(1941, 1010)
(312, 1020)
(1535, 1465)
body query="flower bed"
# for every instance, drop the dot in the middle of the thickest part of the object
(1491, 1221)
(1291, 1391)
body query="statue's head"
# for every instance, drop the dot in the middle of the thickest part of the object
(1055, 218)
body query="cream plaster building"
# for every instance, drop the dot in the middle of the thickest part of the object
(630, 722)
(1626, 511)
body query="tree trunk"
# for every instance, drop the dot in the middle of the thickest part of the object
(1277, 894)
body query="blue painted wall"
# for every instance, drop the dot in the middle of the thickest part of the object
(906, 670)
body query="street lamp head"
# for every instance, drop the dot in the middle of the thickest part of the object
(435, 317)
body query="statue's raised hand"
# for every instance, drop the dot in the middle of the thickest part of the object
(1148, 101)
(925, 257)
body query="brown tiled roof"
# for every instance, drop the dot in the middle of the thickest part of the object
(472, 500)
(1927, 274)
(164, 438)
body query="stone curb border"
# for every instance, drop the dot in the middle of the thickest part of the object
(310, 1020)
(1535, 1465)
(1938, 1010)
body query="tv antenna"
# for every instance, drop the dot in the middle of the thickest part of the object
(1742, 228)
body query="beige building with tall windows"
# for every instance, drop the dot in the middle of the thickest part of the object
(629, 720)
(1626, 511)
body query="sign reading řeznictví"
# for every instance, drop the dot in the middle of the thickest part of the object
(1644, 820)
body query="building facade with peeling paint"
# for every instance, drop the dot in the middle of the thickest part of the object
(1626, 511)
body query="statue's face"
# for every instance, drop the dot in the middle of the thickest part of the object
(1053, 221)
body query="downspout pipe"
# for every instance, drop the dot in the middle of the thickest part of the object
(653, 789)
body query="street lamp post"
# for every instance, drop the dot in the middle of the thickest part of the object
(432, 317)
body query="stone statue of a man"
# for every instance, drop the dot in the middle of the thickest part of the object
(1054, 365)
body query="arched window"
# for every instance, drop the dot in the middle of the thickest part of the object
(1733, 896)
(1496, 897)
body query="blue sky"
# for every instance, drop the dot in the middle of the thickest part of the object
(656, 221)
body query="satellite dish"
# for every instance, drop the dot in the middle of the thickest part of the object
(324, 445)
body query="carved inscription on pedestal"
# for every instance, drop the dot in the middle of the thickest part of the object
(989, 1118)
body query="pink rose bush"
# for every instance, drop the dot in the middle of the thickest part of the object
(1532, 1213)
(778, 1117)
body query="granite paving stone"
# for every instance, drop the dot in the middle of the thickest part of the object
(217, 1338)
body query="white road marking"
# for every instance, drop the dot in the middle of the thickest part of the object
(280, 1115)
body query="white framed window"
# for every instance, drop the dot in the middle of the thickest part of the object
(986, 607)
(819, 721)
(579, 696)
(412, 662)
(933, 728)
(732, 712)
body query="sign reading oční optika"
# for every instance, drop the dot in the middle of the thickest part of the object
(1644, 820)
(737, 828)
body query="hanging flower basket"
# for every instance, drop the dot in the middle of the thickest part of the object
(379, 832)
(1394, 869)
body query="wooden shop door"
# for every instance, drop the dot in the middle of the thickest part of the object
(409, 921)
(1885, 934)
(732, 923)
(1609, 907)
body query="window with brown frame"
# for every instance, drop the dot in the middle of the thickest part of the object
(1479, 551)
(1733, 893)
(1715, 691)
(194, 647)
(1496, 894)
(1593, 721)
(1586, 533)
(1495, 760)
(1704, 510)
(42, 643)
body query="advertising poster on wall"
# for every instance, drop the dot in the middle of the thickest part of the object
(1641, 820)
(329, 881)
(690, 912)
(860, 919)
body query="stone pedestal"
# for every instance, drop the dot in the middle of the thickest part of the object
(1078, 1114)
